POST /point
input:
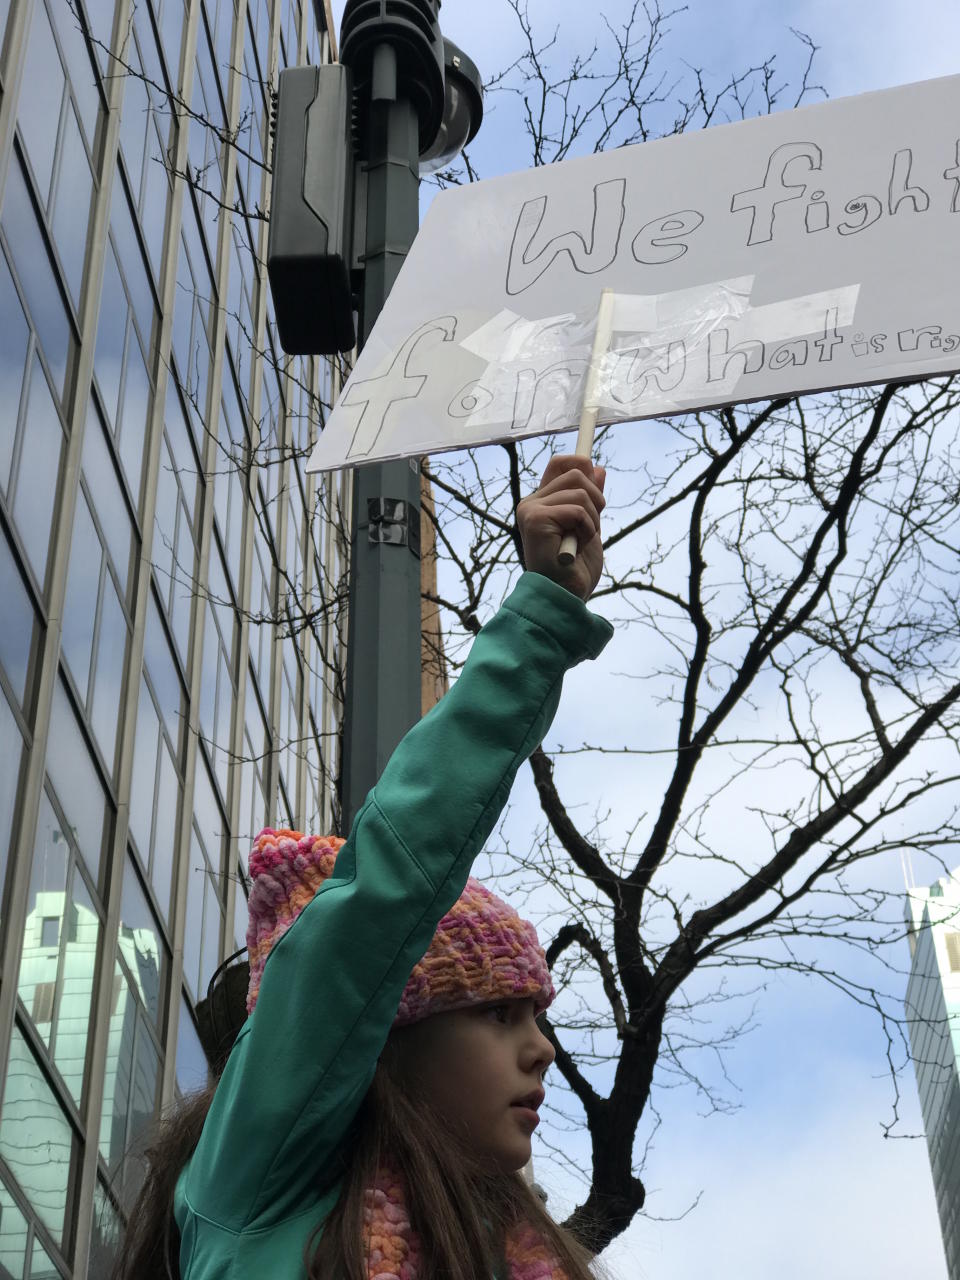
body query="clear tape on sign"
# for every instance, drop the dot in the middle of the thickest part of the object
(666, 351)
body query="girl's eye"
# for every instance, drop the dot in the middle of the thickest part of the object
(499, 1013)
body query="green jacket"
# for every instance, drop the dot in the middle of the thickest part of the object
(247, 1201)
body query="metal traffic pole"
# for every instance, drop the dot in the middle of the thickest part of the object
(402, 119)
(352, 141)
(383, 650)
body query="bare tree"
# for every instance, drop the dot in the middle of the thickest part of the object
(785, 582)
(786, 577)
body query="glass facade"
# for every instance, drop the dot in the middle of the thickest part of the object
(171, 635)
(933, 1020)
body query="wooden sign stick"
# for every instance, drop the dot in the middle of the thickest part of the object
(588, 414)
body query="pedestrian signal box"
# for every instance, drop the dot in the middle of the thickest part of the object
(309, 245)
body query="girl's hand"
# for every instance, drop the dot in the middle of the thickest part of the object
(569, 500)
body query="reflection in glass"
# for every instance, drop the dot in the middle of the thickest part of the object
(154, 801)
(146, 1078)
(165, 521)
(72, 208)
(19, 621)
(163, 673)
(112, 643)
(35, 1138)
(106, 493)
(100, 18)
(192, 1069)
(171, 33)
(40, 957)
(58, 960)
(241, 912)
(207, 814)
(134, 118)
(105, 1237)
(130, 1092)
(130, 257)
(13, 354)
(174, 545)
(132, 418)
(144, 774)
(41, 1266)
(37, 474)
(76, 781)
(41, 92)
(111, 335)
(141, 943)
(215, 699)
(119, 1068)
(193, 933)
(13, 1225)
(165, 832)
(156, 187)
(79, 67)
(80, 604)
(35, 271)
(204, 916)
(212, 923)
(9, 781)
(80, 936)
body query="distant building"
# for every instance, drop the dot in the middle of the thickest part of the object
(933, 1017)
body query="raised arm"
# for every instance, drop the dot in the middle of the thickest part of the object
(331, 986)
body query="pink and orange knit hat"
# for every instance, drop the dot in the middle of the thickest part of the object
(481, 951)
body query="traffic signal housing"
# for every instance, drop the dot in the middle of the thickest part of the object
(309, 245)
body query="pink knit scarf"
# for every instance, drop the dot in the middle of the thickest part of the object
(395, 1250)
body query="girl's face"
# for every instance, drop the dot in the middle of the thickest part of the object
(481, 1070)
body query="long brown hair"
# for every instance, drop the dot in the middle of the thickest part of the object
(460, 1212)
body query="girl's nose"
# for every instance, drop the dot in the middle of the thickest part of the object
(545, 1052)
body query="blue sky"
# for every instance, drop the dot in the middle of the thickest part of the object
(798, 1181)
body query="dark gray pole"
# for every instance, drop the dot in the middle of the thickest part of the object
(383, 645)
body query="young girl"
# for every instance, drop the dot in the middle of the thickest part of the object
(379, 1101)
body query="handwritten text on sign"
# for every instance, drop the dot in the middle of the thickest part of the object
(813, 249)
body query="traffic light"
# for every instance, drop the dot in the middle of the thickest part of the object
(309, 245)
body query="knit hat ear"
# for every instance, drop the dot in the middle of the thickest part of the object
(482, 949)
(287, 869)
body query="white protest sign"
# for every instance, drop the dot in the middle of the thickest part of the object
(813, 249)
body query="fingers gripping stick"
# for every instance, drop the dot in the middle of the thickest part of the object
(588, 415)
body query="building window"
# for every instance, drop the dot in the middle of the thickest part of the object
(952, 939)
(201, 944)
(142, 947)
(95, 623)
(76, 782)
(38, 281)
(130, 1091)
(176, 532)
(13, 1225)
(154, 800)
(43, 994)
(58, 964)
(36, 1140)
(50, 128)
(106, 1235)
(205, 885)
(192, 1069)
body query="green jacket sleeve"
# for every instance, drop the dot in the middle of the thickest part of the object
(332, 984)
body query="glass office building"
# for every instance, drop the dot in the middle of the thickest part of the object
(933, 1019)
(170, 607)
